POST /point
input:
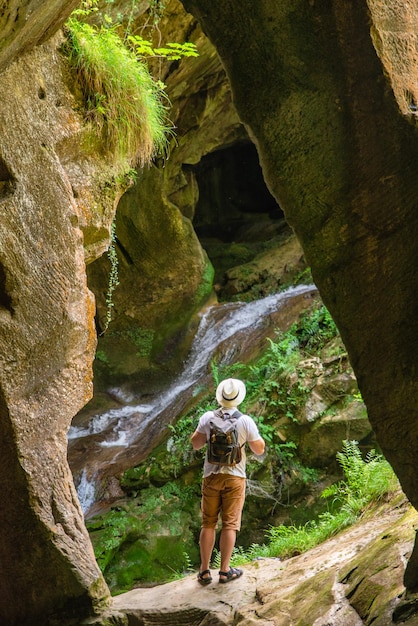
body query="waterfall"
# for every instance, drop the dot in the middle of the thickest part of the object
(86, 492)
(123, 436)
(102, 421)
(218, 324)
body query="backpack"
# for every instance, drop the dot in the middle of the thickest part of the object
(223, 447)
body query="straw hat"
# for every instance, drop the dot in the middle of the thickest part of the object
(230, 392)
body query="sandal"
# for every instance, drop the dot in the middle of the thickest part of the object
(203, 579)
(233, 574)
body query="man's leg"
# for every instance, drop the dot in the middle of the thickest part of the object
(206, 543)
(226, 546)
(211, 504)
(233, 496)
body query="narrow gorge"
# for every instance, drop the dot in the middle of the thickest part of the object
(293, 146)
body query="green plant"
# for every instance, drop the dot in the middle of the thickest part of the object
(157, 8)
(172, 51)
(114, 529)
(187, 568)
(315, 329)
(366, 480)
(113, 276)
(127, 179)
(178, 444)
(121, 98)
(102, 356)
(216, 373)
(288, 541)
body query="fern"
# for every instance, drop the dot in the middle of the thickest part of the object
(365, 479)
(172, 51)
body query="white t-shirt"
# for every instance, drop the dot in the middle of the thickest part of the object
(247, 431)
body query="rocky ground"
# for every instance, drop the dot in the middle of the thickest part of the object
(352, 579)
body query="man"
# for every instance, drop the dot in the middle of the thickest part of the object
(223, 487)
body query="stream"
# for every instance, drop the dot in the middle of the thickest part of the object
(122, 437)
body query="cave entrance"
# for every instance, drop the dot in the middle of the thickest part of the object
(236, 217)
(234, 202)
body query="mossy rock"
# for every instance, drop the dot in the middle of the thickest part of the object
(151, 560)
(150, 538)
(373, 579)
(159, 468)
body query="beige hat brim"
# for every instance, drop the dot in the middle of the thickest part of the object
(241, 391)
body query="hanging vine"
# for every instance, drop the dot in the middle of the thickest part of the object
(113, 276)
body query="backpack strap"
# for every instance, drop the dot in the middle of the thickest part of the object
(235, 416)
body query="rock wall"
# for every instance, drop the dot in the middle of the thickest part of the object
(23, 25)
(341, 158)
(47, 344)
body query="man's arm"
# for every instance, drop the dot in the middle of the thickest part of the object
(257, 446)
(198, 440)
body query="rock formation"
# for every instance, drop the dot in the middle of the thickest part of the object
(331, 107)
(340, 156)
(47, 335)
(24, 25)
(186, 222)
(354, 579)
(164, 273)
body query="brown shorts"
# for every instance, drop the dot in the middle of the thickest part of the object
(225, 494)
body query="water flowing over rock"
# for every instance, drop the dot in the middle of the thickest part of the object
(120, 438)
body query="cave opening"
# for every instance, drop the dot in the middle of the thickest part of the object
(234, 202)
(236, 217)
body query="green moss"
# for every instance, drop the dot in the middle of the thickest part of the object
(157, 469)
(373, 578)
(142, 338)
(149, 538)
(98, 591)
(206, 284)
(101, 356)
(147, 562)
